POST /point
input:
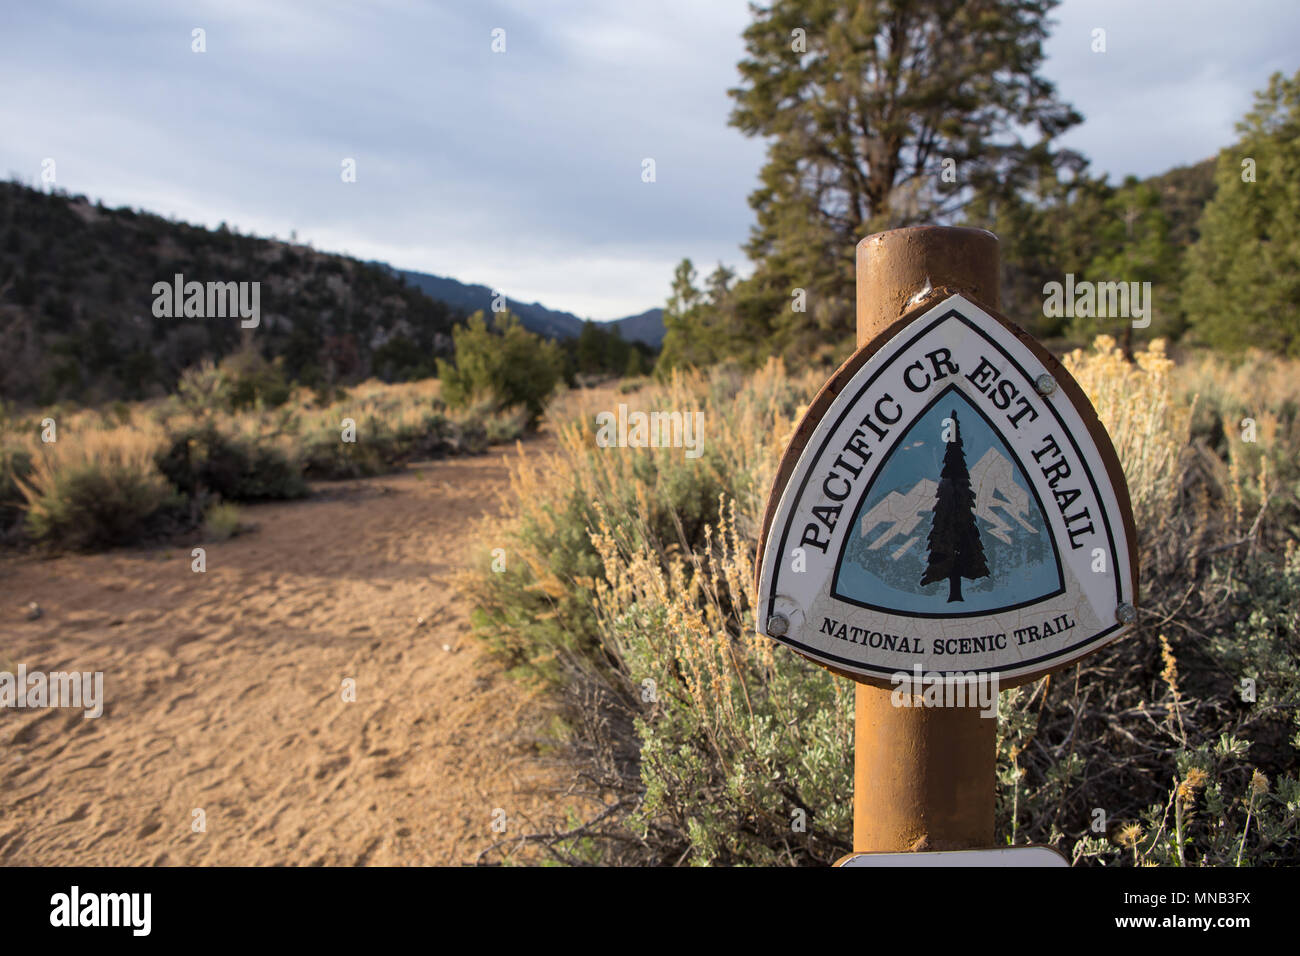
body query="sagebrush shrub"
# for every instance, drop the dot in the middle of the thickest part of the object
(204, 460)
(629, 587)
(97, 494)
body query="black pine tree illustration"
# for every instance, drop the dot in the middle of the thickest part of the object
(954, 542)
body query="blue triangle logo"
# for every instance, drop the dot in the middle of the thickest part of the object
(949, 525)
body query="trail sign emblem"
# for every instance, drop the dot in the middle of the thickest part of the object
(950, 503)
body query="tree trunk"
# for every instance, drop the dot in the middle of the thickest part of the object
(954, 588)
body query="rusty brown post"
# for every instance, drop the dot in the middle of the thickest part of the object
(924, 777)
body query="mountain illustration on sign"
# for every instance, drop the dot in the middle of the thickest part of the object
(954, 542)
(959, 513)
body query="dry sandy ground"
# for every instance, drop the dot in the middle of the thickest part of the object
(224, 692)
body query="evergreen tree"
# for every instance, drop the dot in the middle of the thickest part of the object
(695, 327)
(954, 542)
(505, 364)
(1242, 282)
(1133, 245)
(1184, 192)
(1046, 229)
(879, 113)
(590, 348)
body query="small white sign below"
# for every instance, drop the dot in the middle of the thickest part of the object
(1005, 856)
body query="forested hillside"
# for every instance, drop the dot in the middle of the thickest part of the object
(77, 319)
(78, 323)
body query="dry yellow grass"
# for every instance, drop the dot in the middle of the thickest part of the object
(605, 582)
(123, 450)
(1135, 402)
(130, 434)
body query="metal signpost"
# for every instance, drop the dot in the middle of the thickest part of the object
(949, 520)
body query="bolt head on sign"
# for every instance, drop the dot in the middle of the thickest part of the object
(959, 507)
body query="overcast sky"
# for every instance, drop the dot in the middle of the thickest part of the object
(521, 170)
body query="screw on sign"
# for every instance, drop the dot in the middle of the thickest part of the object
(963, 526)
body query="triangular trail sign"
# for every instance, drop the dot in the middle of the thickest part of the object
(949, 505)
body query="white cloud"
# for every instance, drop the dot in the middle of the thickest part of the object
(521, 169)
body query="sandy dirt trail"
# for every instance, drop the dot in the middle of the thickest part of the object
(224, 692)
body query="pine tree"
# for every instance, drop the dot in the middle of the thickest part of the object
(1242, 286)
(696, 332)
(683, 344)
(1046, 229)
(878, 113)
(954, 542)
(1133, 245)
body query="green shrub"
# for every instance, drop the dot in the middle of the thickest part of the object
(202, 461)
(255, 381)
(628, 587)
(508, 365)
(243, 380)
(544, 606)
(502, 427)
(745, 749)
(326, 457)
(380, 446)
(221, 521)
(1211, 777)
(204, 389)
(81, 503)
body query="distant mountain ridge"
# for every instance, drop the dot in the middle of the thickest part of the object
(646, 327)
